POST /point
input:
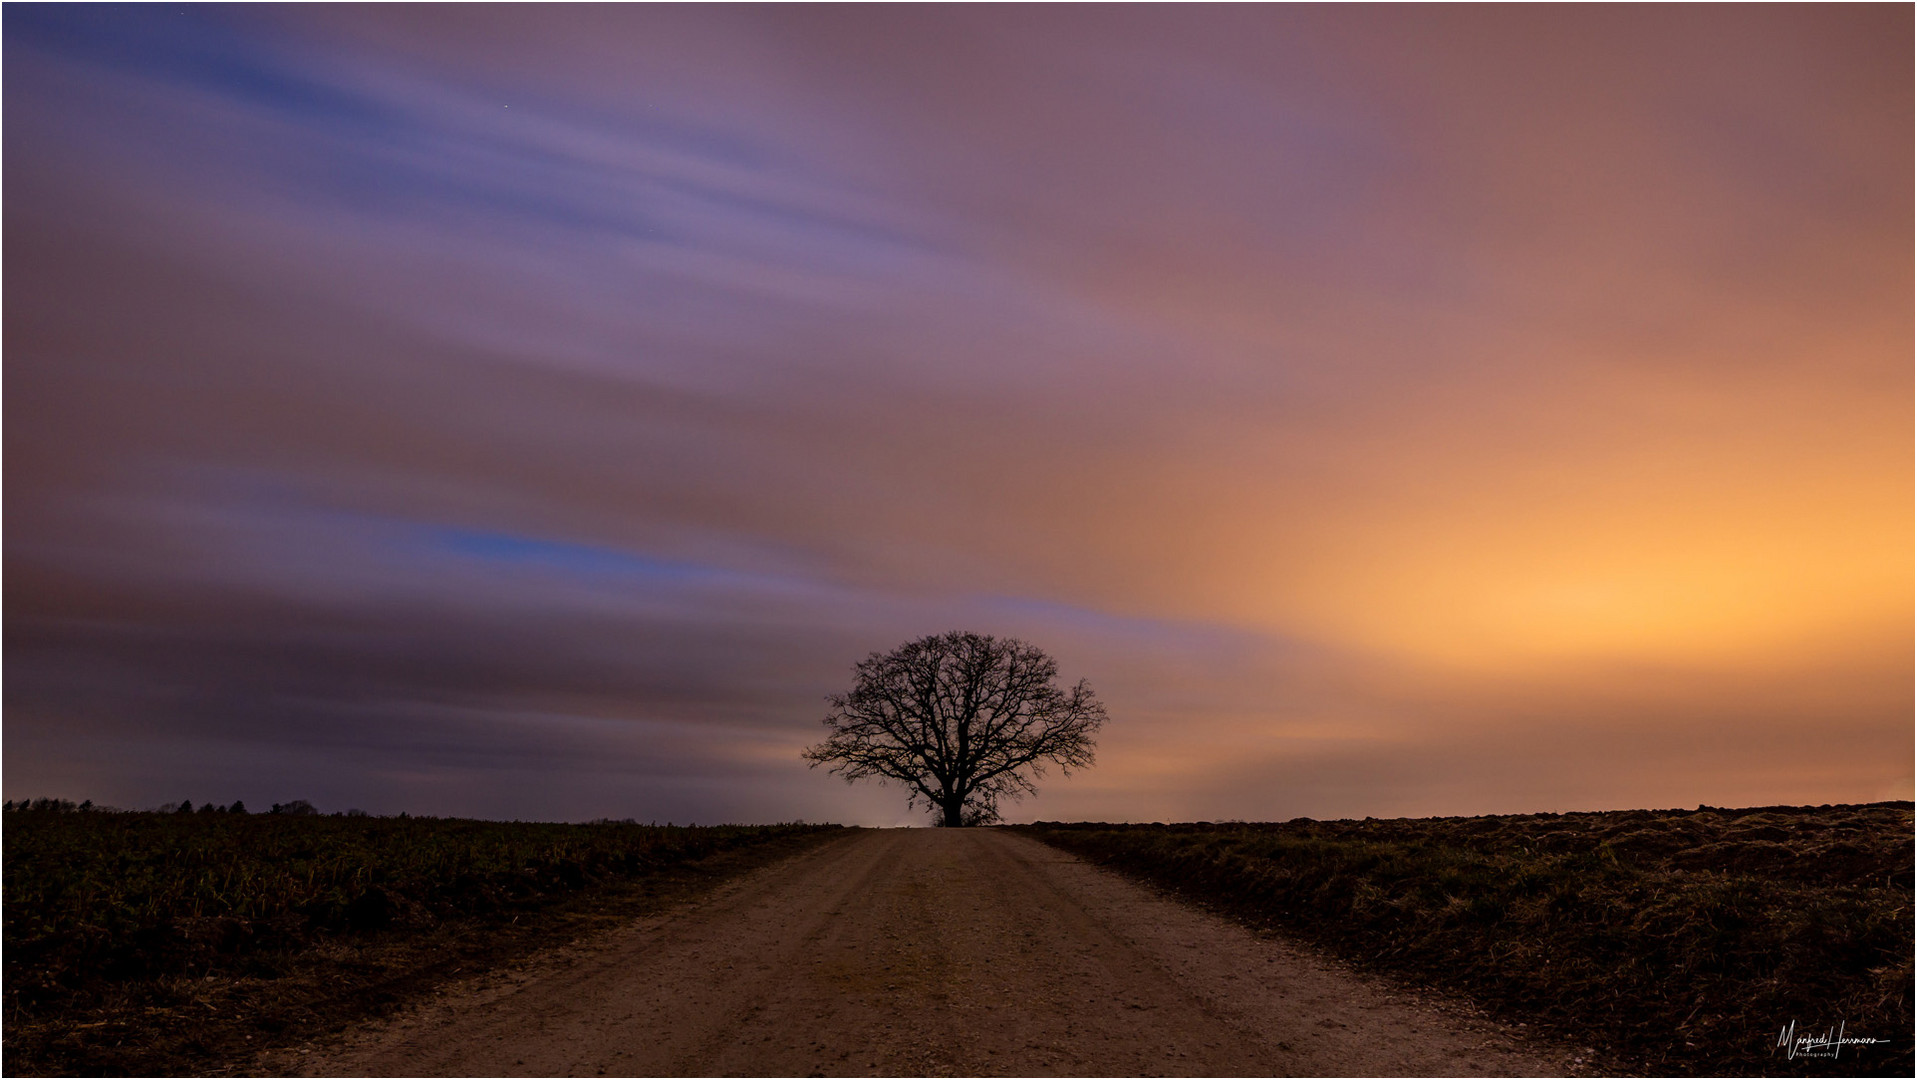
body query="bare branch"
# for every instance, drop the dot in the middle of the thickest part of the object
(961, 720)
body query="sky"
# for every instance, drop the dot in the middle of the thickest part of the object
(535, 411)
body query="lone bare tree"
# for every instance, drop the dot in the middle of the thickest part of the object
(960, 720)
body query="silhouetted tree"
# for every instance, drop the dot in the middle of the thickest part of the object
(238, 807)
(960, 720)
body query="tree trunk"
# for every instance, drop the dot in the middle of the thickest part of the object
(954, 813)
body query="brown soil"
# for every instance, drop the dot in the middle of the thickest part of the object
(931, 952)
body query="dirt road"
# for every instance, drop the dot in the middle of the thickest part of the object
(931, 952)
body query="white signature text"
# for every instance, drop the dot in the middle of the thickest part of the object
(1827, 1045)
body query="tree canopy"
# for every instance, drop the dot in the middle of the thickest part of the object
(959, 720)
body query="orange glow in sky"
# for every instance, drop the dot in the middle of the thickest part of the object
(1389, 409)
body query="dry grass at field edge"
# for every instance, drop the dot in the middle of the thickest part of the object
(207, 1007)
(1681, 940)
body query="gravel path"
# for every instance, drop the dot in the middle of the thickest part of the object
(930, 952)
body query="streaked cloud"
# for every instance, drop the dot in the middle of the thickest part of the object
(529, 411)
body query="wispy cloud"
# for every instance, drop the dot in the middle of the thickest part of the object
(427, 408)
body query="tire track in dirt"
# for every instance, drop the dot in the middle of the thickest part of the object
(930, 952)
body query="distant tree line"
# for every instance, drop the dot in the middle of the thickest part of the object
(296, 808)
(57, 806)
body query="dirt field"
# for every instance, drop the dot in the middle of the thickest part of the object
(1681, 941)
(930, 952)
(168, 944)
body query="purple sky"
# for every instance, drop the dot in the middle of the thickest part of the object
(536, 411)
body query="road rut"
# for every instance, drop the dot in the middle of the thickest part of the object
(931, 952)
